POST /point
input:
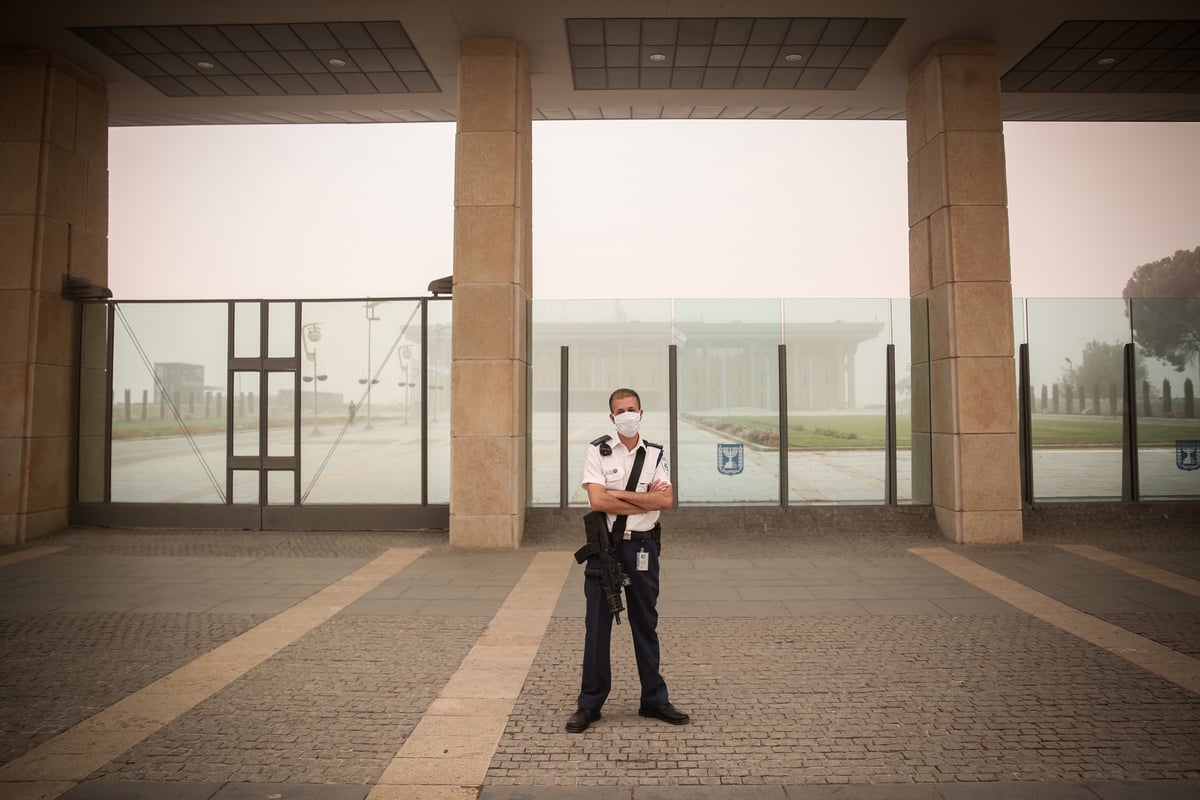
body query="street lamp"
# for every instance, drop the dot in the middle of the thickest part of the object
(312, 333)
(369, 308)
(404, 355)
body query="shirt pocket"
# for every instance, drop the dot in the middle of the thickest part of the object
(614, 479)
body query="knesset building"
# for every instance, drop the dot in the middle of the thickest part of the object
(954, 72)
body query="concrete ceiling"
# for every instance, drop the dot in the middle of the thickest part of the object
(1059, 59)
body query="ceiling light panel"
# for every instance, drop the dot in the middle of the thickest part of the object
(372, 57)
(1119, 56)
(726, 52)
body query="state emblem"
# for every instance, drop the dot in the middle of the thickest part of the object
(1187, 454)
(730, 458)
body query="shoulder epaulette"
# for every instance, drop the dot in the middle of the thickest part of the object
(653, 444)
(601, 440)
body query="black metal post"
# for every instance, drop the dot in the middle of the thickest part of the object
(891, 493)
(264, 322)
(563, 428)
(1130, 491)
(297, 344)
(108, 420)
(673, 411)
(784, 480)
(424, 402)
(1025, 423)
(229, 333)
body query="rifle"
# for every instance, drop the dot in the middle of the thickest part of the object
(611, 576)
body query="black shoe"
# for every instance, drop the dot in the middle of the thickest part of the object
(581, 719)
(666, 712)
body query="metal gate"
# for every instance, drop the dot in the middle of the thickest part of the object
(265, 414)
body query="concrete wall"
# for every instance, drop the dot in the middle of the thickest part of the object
(959, 261)
(53, 220)
(493, 284)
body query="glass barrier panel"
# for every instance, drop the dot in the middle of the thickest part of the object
(914, 454)
(169, 390)
(921, 418)
(245, 487)
(1076, 374)
(247, 329)
(614, 344)
(281, 330)
(438, 379)
(728, 367)
(245, 414)
(93, 395)
(837, 399)
(281, 487)
(281, 414)
(1167, 334)
(547, 336)
(363, 443)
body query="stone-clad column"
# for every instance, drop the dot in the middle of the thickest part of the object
(959, 262)
(493, 284)
(53, 219)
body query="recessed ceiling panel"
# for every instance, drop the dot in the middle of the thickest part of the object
(374, 57)
(1112, 56)
(726, 52)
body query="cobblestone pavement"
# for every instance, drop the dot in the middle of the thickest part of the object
(813, 665)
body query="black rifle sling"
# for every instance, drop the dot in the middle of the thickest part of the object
(618, 529)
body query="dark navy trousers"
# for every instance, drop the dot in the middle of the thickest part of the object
(641, 612)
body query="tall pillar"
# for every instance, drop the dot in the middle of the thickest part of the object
(959, 263)
(493, 284)
(53, 220)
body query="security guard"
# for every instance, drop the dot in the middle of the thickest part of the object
(633, 523)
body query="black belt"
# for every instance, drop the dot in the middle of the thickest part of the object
(638, 536)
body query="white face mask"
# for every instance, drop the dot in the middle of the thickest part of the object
(628, 423)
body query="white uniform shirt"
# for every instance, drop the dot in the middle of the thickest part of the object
(612, 472)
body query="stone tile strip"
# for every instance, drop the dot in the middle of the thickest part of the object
(1172, 580)
(1149, 655)
(56, 765)
(448, 753)
(25, 555)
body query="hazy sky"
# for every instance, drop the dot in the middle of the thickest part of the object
(718, 208)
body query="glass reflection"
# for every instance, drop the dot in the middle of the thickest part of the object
(281, 485)
(438, 386)
(837, 399)
(1167, 334)
(1076, 374)
(361, 439)
(281, 414)
(910, 335)
(547, 338)
(169, 393)
(612, 344)
(247, 329)
(281, 331)
(728, 364)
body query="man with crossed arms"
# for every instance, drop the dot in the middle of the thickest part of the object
(605, 476)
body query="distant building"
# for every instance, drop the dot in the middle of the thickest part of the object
(183, 383)
(722, 365)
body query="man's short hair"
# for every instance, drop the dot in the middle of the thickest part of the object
(619, 393)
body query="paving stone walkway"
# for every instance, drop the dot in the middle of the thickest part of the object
(356, 665)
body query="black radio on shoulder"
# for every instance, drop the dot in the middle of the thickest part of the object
(603, 444)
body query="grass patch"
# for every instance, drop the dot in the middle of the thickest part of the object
(832, 431)
(867, 430)
(155, 429)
